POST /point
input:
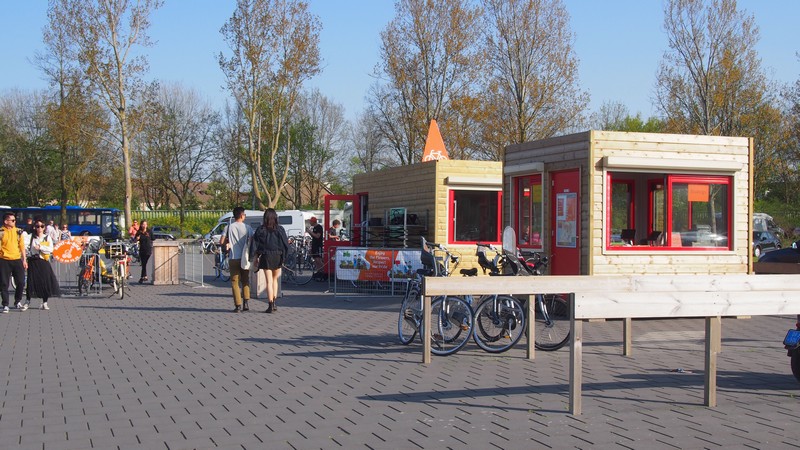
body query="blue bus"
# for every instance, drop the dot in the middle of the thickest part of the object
(81, 221)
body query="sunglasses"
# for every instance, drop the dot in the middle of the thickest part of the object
(38, 226)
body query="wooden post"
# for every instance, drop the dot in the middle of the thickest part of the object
(531, 304)
(713, 344)
(575, 361)
(627, 331)
(424, 332)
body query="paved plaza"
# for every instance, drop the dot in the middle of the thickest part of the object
(169, 367)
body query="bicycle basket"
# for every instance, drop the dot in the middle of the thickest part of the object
(114, 250)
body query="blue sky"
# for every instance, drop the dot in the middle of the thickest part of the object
(619, 44)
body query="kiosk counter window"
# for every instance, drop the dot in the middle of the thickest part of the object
(668, 211)
(475, 216)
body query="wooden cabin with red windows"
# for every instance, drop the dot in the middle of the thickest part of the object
(604, 202)
(452, 202)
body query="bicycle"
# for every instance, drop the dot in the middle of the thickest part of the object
(298, 268)
(501, 318)
(119, 270)
(451, 317)
(221, 268)
(89, 262)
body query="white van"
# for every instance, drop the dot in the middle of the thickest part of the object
(765, 222)
(294, 221)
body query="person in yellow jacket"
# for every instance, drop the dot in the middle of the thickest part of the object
(13, 261)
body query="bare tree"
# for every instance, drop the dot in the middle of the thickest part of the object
(371, 152)
(107, 35)
(710, 80)
(323, 161)
(178, 144)
(275, 45)
(27, 162)
(229, 179)
(429, 63)
(534, 89)
(76, 121)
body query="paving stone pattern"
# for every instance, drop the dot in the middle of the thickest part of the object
(170, 367)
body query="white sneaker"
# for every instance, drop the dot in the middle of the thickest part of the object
(19, 305)
(44, 306)
(5, 309)
(24, 307)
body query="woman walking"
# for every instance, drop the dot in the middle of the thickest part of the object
(145, 240)
(271, 246)
(42, 282)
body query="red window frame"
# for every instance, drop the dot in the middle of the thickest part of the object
(631, 205)
(668, 180)
(452, 210)
(533, 180)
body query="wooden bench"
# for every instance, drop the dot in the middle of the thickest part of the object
(630, 297)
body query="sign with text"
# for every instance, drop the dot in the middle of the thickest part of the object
(367, 264)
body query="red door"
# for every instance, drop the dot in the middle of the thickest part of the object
(565, 221)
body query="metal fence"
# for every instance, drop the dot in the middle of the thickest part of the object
(194, 263)
(148, 215)
(369, 271)
(68, 275)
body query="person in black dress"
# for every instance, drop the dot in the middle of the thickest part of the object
(145, 239)
(271, 245)
(42, 281)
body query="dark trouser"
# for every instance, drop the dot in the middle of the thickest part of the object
(144, 257)
(8, 269)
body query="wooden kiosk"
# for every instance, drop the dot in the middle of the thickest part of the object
(607, 203)
(453, 202)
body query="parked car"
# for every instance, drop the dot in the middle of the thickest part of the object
(784, 255)
(166, 233)
(764, 241)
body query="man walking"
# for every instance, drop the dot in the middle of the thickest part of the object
(13, 262)
(238, 235)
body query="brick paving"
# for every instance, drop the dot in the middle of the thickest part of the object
(170, 367)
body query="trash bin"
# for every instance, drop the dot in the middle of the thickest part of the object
(166, 265)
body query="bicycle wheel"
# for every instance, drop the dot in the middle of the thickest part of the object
(499, 323)
(224, 270)
(552, 322)
(303, 273)
(410, 314)
(119, 281)
(451, 325)
(84, 283)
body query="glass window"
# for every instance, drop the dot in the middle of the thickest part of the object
(622, 218)
(528, 223)
(682, 211)
(475, 216)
